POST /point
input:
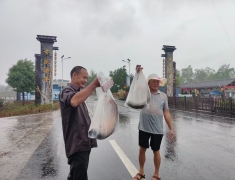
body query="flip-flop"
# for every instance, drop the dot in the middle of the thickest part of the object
(139, 176)
(156, 178)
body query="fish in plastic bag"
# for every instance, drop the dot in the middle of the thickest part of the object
(105, 117)
(139, 94)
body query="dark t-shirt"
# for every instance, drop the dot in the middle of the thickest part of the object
(75, 122)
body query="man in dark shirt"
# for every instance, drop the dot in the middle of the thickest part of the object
(76, 122)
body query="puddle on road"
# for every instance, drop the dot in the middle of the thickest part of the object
(124, 119)
(48, 168)
(171, 149)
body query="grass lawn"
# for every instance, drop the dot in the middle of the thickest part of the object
(17, 109)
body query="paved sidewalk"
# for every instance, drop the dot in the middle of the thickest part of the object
(20, 137)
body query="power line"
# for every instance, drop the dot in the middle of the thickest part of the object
(223, 26)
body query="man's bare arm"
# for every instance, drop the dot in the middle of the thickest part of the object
(82, 95)
(168, 120)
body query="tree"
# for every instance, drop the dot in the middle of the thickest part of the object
(200, 75)
(119, 78)
(187, 75)
(21, 77)
(1, 102)
(6, 91)
(91, 77)
(225, 71)
(210, 73)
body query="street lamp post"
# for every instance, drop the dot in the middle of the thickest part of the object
(62, 59)
(128, 61)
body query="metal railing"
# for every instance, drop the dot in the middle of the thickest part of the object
(215, 105)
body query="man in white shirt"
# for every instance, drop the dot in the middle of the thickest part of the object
(151, 125)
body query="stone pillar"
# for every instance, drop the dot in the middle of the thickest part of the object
(174, 79)
(46, 73)
(38, 79)
(169, 69)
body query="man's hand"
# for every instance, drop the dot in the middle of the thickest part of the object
(168, 120)
(171, 134)
(138, 68)
(96, 82)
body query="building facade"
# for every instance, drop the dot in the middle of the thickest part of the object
(214, 88)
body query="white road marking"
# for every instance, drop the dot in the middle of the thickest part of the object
(130, 167)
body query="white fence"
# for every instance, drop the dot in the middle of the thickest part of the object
(8, 98)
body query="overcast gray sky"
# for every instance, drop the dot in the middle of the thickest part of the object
(98, 34)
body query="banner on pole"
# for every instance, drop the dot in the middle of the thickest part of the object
(128, 81)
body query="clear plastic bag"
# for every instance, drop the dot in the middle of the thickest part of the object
(139, 94)
(105, 117)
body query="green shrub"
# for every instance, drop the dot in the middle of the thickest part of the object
(1, 102)
(16, 108)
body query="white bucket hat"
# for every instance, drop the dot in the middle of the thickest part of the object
(155, 76)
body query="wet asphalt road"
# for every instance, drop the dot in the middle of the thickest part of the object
(19, 138)
(204, 148)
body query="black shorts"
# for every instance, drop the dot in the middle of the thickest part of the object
(155, 140)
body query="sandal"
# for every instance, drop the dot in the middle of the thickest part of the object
(139, 176)
(156, 178)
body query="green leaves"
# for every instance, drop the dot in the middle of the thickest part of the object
(188, 75)
(21, 76)
(119, 78)
(225, 71)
